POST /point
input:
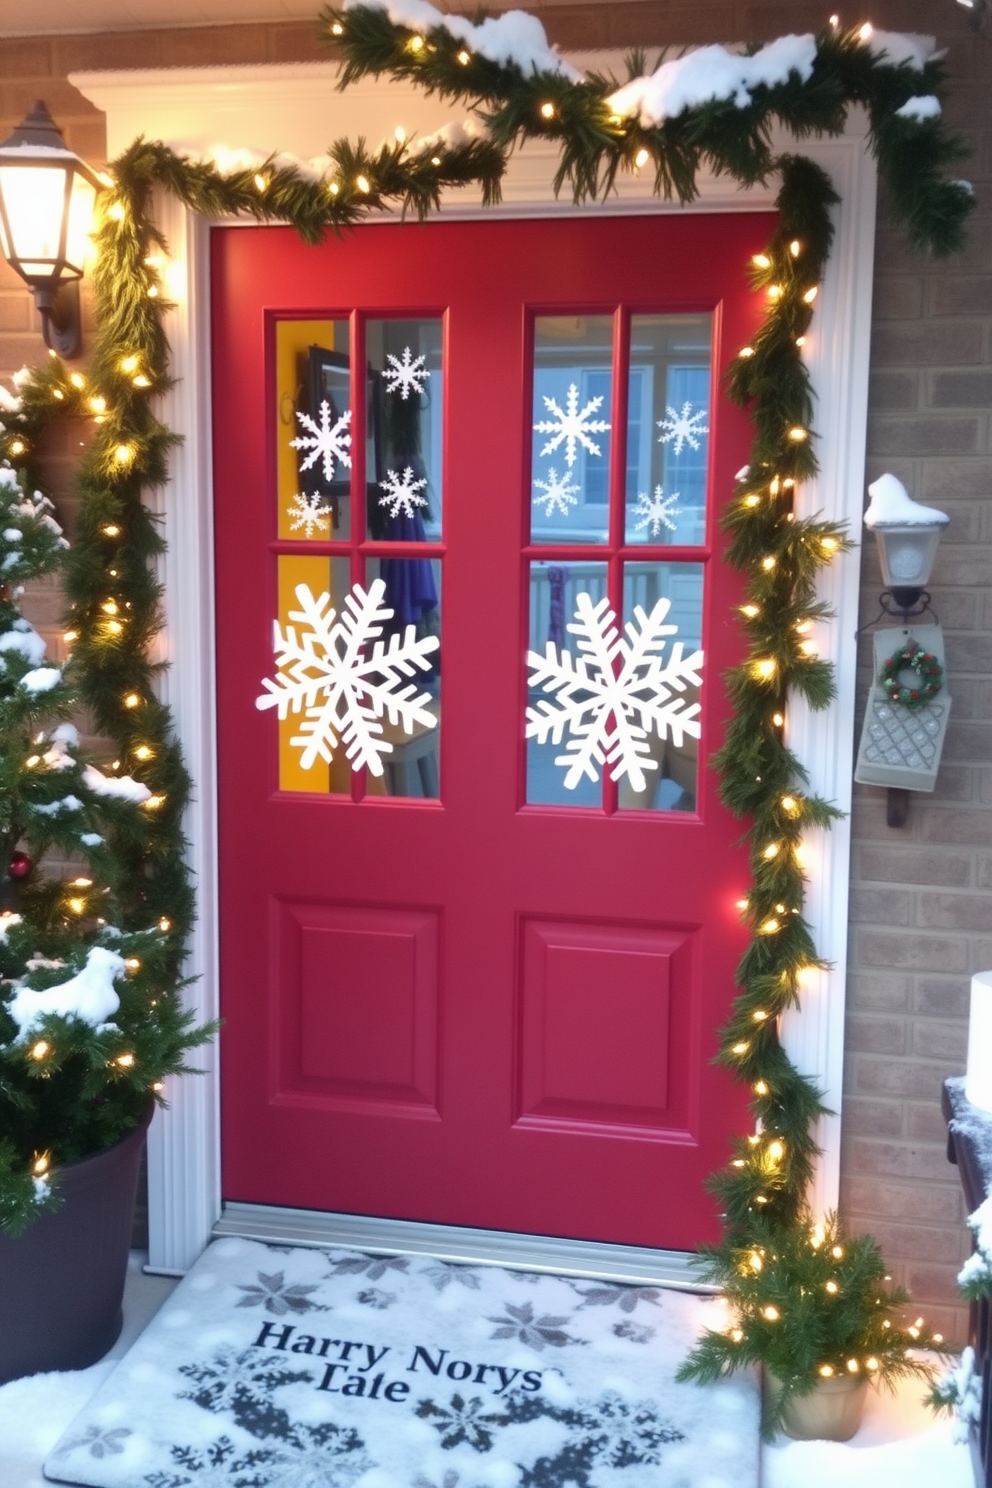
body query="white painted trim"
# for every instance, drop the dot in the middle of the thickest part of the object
(184, 1142)
(294, 107)
(590, 1259)
(839, 345)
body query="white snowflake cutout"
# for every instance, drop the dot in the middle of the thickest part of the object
(610, 712)
(656, 511)
(306, 512)
(683, 427)
(325, 442)
(571, 425)
(407, 375)
(329, 673)
(402, 492)
(560, 492)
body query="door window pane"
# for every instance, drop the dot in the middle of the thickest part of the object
(301, 768)
(554, 591)
(670, 767)
(668, 428)
(413, 592)
(570, 443)
(406, 398)
(313, 430)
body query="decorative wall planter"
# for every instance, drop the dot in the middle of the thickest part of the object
(62, 1281)
(831, 1412)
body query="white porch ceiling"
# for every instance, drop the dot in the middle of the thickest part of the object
(41, 17)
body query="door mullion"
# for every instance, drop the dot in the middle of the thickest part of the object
(618, 494)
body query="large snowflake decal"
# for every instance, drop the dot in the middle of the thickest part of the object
(656, 511)
(402, 491)
(325, 441)
(681, 428)
(571, 425)
(342, 682)
(615, 695)
(405, 375)
(560, 492)
(308, 513)
(624, 1433)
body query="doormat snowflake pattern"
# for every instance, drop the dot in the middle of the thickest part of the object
(272, 1367)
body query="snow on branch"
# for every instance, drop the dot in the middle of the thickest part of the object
(713, 74)
(514, 37)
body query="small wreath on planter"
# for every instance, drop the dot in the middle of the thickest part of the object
(912, 658)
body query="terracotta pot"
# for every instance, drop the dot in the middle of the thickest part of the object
(830, 1412)
(62, 1280)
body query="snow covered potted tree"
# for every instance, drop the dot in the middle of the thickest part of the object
(91, 1019)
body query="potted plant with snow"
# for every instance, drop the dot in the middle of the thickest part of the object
(815, 1308)
(91, 1017)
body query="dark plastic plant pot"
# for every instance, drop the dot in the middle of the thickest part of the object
(62, 1280)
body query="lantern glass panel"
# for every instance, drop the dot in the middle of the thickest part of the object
(81, 204)
(906, 554)
(34, 197)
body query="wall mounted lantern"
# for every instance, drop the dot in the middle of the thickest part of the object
(908, 535)
(46, 209)
(908, 705)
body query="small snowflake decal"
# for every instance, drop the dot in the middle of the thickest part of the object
(656, 511)
(377, 1298)
(560, 492)
(406, 375)
(97, 1441)
(344, 679)
(307, 512)
(571, 425)
(615, 695)
(372, 1267)
(623, 1296)
(272, 1293)
(683, 428)
(463, 1421)
(402, 492)
(536, 1333)
(441, 1275)
(325, 442)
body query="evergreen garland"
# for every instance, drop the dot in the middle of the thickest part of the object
(762, 1191)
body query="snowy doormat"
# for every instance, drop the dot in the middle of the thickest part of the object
(272, 1367)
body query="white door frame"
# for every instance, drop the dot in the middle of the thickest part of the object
(295, 107)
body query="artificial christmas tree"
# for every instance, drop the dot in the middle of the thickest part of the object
(91, 1018)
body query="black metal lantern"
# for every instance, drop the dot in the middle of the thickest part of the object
(46, 209)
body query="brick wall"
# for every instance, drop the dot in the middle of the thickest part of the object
(922, 911)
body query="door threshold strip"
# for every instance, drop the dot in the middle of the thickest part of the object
(558, 1256)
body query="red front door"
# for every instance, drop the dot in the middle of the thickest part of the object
(478, 923)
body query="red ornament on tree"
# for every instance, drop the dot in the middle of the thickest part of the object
(20, 865)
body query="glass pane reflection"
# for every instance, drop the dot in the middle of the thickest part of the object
(406, 398)
(668, 428)
(672, 785)
(553, 591)
(313, 424)
(570, 448)
(413, 593)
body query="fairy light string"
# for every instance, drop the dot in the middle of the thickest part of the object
(115, 597)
